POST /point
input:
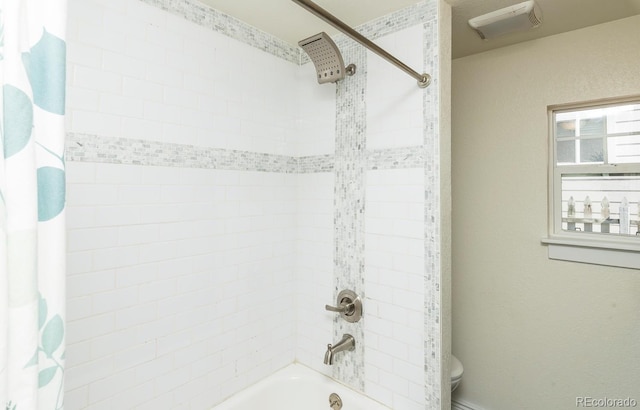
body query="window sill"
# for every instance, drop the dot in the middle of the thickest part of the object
(624, 254)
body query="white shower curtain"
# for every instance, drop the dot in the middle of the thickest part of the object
(32, 201)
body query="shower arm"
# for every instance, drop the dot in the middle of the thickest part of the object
(423, 79)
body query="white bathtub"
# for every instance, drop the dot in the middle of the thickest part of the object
(297, 387)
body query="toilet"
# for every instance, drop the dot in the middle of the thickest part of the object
(456, 372)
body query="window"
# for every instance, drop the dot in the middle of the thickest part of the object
(594, 178)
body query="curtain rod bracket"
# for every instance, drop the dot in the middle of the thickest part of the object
(424, 81)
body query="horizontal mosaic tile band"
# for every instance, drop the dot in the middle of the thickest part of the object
(396, 158)
(217, 21)
(391, 23)
(316, 163)
(115, 150)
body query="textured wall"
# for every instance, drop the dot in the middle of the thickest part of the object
(531, 332)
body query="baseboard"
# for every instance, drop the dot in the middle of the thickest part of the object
(463, 405)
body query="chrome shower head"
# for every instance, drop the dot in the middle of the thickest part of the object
(326, 57)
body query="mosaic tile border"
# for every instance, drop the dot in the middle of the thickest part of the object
(349, 177)
(432, 232)
(396, 158)
(209, 17)
(117, 150)
(217, 21)
(390, 23)
(316, 163)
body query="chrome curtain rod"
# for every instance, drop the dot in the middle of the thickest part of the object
(423, 79)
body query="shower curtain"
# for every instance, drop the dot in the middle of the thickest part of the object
(32, 201)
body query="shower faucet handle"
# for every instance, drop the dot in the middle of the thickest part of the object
(349, 305)
(346, 308)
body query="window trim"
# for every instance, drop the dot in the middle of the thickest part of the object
(594, 248)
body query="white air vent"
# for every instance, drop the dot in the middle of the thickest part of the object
(522, 16)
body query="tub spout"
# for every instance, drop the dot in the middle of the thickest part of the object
(346, 343)
(328, 356)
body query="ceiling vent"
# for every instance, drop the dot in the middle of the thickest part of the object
(519, 17)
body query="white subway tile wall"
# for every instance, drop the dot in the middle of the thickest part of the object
(189, 279)
(394, 103)
(316, 116)
(394, 259)
(314, 269)
(160, 77)
(193, 293)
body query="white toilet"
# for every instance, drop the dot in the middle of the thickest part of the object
(456, 372)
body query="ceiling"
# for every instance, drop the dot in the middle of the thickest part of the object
(291, 23)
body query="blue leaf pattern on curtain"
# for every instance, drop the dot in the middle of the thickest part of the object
(18, 119)
(32, 204)
(51, 188)
(45, 66)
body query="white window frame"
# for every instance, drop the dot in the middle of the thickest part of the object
(596, 248)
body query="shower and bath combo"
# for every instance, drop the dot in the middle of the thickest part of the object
(349, 306)
(327, 58)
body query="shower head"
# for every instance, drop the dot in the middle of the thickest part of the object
(326, 57)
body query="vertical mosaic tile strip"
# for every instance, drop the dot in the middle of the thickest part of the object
(432, 328)
(349, 199)
(217, 21)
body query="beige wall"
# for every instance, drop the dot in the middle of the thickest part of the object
(534, 333)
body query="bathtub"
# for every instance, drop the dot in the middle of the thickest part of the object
(297, 387)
